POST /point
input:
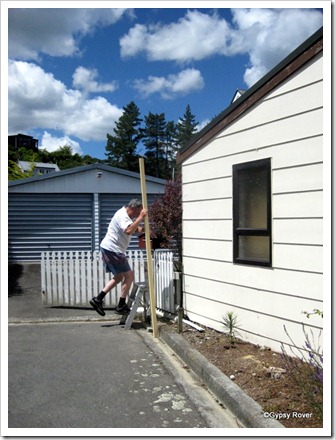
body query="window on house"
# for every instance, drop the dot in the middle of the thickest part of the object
(252, 213)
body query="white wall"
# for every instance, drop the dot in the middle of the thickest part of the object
(285, 126)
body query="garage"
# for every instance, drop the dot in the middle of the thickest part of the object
(70, 209)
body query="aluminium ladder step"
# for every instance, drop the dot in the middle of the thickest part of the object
(134, 301)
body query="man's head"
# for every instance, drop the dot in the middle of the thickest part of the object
(134, 208)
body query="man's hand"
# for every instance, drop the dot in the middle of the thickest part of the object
(143, 213)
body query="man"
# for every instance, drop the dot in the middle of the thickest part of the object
(113, 247)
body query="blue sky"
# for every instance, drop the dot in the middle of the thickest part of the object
(71, 71)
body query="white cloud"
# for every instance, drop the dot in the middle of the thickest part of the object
(265, 35)
(135, 41)
(92, 119)
(52, 143)
(268, 35)
(54, 31)
(202, 124)
(37, 99)
(193, 37)
(184, 82)
(85, 79)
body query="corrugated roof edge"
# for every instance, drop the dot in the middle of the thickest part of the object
(84, 168)
(312, 40)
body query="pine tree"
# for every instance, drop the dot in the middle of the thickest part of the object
(121, 147)
(170, 150)
(186, 128)
(154, 137)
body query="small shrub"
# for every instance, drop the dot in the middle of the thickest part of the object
(230, 323)
(166, 218)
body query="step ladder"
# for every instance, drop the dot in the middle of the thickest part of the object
(134, 300)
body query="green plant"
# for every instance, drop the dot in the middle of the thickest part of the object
(315, 312)
(229, 321)
(307, 370)
(165, 216)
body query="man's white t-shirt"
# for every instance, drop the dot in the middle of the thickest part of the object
(116, 240)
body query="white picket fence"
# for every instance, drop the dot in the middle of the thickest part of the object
(71, 279)
(163, 277)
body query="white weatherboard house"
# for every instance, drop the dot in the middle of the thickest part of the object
(253, 206)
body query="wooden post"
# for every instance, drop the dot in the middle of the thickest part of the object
(148, 249)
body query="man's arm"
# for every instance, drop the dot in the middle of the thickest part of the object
(134, 226)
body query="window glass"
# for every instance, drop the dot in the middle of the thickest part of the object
(252, 186)
(252, 213)
(250, 247)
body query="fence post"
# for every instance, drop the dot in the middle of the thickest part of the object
(95, 271)
(54, 276)
(43, 281)
(65, 266)
(59, 278)
(89, 274)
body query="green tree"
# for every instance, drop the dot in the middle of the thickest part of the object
(186, 128)
(15, 172)
(65, 158)
(89, 160)
(46, 156)
(13, 154)
(170, 150)
(28, 155)
(154, 140)
(121, 147)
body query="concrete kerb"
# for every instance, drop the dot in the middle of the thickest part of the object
(247, 411)
(68, 319)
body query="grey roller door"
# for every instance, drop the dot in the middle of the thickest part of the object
(42, 222)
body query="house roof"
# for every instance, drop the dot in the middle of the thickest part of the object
(25, 166)
(237, 95)
(300, 56)
(81, 169)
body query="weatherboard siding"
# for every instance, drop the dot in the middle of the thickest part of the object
(287, 127)
(252, 315)
(259, 139)
(300, 284)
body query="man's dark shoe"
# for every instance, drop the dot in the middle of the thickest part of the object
(97, 305)
(123, 310)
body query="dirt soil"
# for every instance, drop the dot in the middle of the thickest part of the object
(251, 367)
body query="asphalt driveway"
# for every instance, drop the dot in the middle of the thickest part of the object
(68, 368)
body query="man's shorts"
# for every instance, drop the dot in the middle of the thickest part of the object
(114, 262)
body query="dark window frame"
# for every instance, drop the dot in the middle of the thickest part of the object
(264, 164)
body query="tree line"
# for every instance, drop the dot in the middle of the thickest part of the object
(154, 138)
